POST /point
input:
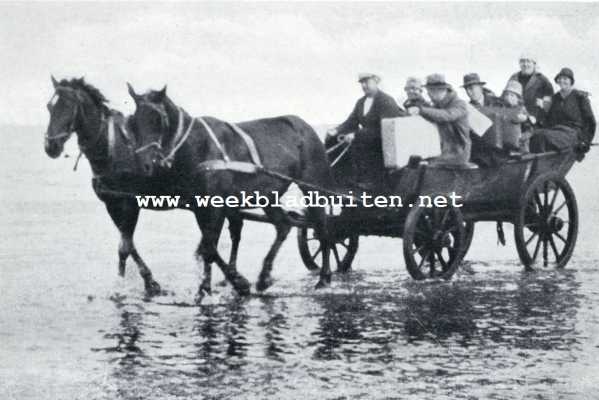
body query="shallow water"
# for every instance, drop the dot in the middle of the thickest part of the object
(70, 328)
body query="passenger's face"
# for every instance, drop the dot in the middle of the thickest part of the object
(475, 92)
(527, 67)
(413, 92)
(436, 94)
(510, 98)
(369, 86)
(564, 83)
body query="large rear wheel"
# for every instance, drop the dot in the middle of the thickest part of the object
(433, 242)
(547, 223)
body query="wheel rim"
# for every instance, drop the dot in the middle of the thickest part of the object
(548, 223)
(433, 244)
(342, 252)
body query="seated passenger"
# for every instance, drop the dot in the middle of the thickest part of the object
(363, 129)
(570, 120)
(413, 90)
(517, 136)
(451, 116)
(479, 95)
(537, 89)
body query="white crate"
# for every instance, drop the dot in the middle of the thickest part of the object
(407, 136)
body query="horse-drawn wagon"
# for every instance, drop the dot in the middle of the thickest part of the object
(530, 192)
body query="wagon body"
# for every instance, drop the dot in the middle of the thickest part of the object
(522, 191)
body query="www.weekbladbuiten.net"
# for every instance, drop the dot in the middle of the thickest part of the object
(310, 199)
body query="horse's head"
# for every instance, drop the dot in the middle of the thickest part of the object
(64, 109)
(74, 104)
(152, 123)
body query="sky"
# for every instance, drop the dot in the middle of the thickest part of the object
(240, 61)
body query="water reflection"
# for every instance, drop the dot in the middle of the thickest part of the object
(377, 328)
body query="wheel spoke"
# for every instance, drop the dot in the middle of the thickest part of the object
(537, 247)
(417, 249)
(545, 194)
(538, 201)
(554, 248)
(560, 207)
(531, 238)
(444, 219)
(563, 239)
(317, 252)
(441, 260)
(552, 202)
(545, 252)
(424, 257)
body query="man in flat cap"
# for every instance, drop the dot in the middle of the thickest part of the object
(363, 129)
(537, 88)
(479, 95)
(413, 89)
(451, 116)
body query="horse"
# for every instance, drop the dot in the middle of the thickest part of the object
(78, 107)
(200, 152)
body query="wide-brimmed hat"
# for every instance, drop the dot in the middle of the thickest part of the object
(413, 82)
(472, 79)
(368, 75)
(436, 81)
(567, 72)
(513, 87)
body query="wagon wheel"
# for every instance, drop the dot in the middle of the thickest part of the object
(468, 235)
(433, 242)
(547, 222)
(343, 252)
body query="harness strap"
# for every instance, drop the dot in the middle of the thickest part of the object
(168, 160)
(111, 137)
(237, 166)
(214, 139)
(249, 142)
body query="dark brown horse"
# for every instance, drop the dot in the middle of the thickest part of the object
(285, 145)
(76, 106)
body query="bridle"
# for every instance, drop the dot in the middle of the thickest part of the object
(178, 139)
(71, 127)
(78, 110)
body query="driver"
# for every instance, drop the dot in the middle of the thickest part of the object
(363, 128)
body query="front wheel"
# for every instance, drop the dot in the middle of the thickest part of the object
(547, 222)
(433, 242)
(343, 250)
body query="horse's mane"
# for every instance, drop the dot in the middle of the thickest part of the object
(93, 92)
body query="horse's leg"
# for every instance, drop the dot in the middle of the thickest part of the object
(277, 216)
(319, 219)
(235, 226)
(125, 214)
(211, 222)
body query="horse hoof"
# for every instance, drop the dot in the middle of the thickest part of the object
(264, 283)
(322, 284)
(242, 285)
(122, 271)
(153, 289)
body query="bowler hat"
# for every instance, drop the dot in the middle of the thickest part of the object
(472, 79)
(513, 87)
(368, 75)
(567, 72)
(436, 80)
